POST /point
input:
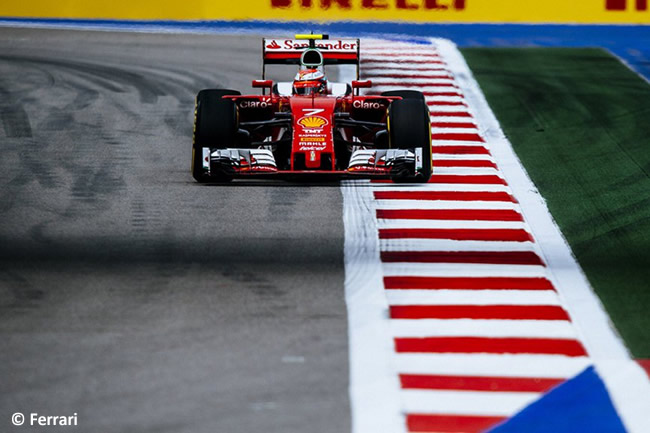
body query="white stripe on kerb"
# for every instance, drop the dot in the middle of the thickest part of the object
(472, 297)
(485, 403)
(482, 328)
(453, 245)
(505, 365)
(462, 270)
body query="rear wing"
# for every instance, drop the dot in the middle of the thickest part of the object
(293, 51)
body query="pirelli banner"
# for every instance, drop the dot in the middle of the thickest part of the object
(429, 11)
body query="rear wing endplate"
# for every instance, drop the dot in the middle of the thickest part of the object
(289, 51)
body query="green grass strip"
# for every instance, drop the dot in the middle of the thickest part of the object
(579, 120)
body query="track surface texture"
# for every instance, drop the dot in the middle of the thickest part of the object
(133, 296)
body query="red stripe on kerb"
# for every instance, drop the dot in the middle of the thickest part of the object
(478, 383)
(412, 76)
(446, 103)
(445, 195)
(404, 54)
(479, 257)
(450, 114)
(545, 346)
(460, 150)
(414, 62)
(453, 125)
(465, 163)
(451, 214)
(442, 94)
(422, 423)
(455, 136)
(478, 312)
(491, 179)
(407, 84)
(467, 283)
(497, 235)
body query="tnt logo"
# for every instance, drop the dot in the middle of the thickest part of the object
(621, 5)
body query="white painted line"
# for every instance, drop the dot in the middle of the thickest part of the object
(452, 245)
(506, 365)
(472, 297)
(449, 119)
(448, 108)
(379, 49)
(417, 87)
(388, 66)
(413, 81)
(468, 171)
(374, 386)
(428, 57)
(466, 402)
(627, 383)
(462, 270)
(482, 328)
(466, 157)
(439, 142)
(445, 130)
(438, 99)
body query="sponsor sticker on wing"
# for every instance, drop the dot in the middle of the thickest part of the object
(338, 45)
(312, 143)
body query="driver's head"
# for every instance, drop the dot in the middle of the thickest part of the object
(309, 81)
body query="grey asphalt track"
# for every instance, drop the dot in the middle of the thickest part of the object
(133, 296)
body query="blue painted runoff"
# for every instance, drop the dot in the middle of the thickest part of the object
(579, 405)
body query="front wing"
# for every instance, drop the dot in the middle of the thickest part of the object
(364, 163)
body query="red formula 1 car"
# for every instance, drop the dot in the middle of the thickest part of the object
(311, 127)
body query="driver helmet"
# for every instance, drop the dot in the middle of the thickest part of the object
(310, 81)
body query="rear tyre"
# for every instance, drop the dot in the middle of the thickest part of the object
(409, 127)
(405, 94)
(215, 127)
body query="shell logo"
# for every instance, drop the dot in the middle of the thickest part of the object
(315, 122)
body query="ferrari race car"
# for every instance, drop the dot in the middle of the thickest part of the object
(311, 127)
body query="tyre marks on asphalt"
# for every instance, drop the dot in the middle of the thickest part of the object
(478, 330)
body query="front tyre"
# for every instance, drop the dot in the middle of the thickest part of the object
(409, 127)
(215, 126)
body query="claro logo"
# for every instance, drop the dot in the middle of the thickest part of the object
(621, 5)
(247, 103)
(367, 105)
(374, 4)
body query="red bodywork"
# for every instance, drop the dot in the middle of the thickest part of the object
(339, 133)
(313, 131)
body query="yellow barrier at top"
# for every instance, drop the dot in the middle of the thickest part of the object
(431, 11)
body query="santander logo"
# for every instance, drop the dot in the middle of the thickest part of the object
(273, 45)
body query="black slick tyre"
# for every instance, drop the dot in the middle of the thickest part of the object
(409, 127)
(215, 126)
